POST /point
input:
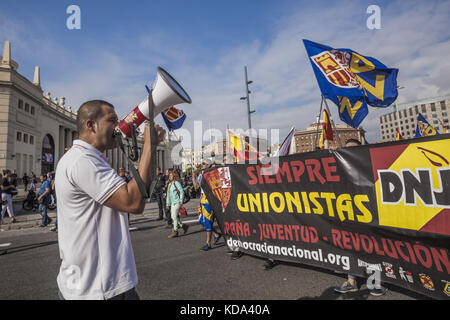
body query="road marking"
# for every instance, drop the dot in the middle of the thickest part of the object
(5, 244)
(190, 221)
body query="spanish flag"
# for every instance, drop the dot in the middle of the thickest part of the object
(327, 131)
(398, 136)
(241, 149)
(235, 146)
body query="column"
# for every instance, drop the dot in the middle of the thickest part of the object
(66, 137)
(60, 142)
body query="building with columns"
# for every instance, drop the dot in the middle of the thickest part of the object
(305, 141)
(35, 130)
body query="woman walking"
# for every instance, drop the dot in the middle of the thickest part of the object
(175, 197)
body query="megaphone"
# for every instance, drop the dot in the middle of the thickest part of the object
(165, 93)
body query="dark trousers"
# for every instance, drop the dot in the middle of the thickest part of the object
(161, 203)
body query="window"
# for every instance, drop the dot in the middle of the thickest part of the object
(424, 109)
(443, 105)
(395, 116)
(381, 119)
(433, 107)
(31, 139)
(435, 122)
(25, 138)
(407, 126)
(32, 110)
(410, 112)
(406, 120)
(19, 136)
(20, 104)
(416, 108)
(27, 107)
(404, 114)
(434, 115)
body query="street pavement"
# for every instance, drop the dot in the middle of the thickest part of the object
(171, 269)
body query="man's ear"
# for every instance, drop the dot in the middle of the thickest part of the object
(91, 126)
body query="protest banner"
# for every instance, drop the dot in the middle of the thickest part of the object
(381, 208)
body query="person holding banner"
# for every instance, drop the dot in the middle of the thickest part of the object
(351, 284)
(94, 240)
(206, 216)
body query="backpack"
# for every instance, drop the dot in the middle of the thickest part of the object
(186, 195)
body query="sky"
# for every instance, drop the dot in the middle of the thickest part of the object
(205, 45)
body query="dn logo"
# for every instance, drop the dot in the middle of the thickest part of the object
(407, 186)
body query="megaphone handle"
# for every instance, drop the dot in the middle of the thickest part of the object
(151, 108)
(134, 154)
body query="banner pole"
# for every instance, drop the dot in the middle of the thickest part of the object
(318, 123)
(332, 122)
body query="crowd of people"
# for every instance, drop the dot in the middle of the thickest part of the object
(45, 194)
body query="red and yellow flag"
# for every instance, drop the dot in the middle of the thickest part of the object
(398, 136)
(326, 126)
(241, 149)
(327, 131)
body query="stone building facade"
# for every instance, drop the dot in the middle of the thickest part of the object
(304, 141)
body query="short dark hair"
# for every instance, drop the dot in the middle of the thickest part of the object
(354, 141)
(90, 110)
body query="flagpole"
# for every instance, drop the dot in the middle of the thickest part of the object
(332, 122)
(318, 123)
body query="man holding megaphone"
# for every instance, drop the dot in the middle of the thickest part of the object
(93, 202)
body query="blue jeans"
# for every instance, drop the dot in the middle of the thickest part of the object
(43, 211)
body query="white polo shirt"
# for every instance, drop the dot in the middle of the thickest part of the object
(94, 241)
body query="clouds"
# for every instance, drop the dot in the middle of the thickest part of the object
(414, 38)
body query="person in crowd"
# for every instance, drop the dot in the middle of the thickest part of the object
(167, 211)
(33, 185)
(174, 201)
(51, 179)
(205, 212)
(1, 201)
(351, 284)
(44, 199)
(53, 196)
(95, 246)
(13, 178)
(25, 181)
(8, 189)
(159, 191)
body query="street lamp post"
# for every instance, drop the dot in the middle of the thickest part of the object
(247, 97)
